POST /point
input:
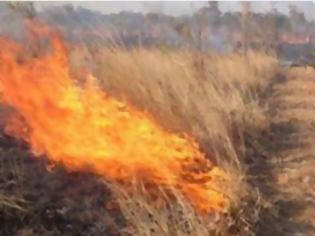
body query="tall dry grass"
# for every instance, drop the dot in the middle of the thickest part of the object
(216, 102)
(177, 217)
(214, 105)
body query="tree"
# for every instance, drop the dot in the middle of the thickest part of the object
(246, 25)
(26, 9)
(297, 18)
(270, 29)
(214, 14)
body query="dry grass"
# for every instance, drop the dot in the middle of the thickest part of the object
(9, 176)
(217, 102)
(171, 87)
(147, 217)
(11, 202)
(295, 96)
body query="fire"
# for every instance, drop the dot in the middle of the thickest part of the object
(86, 130)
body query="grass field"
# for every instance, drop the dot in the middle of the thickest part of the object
(243, 109)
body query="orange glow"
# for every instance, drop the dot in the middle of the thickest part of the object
(295, 39)
(86, 130)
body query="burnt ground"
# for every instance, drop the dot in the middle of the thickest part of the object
(37, 201)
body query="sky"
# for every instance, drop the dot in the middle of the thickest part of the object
(176, 8)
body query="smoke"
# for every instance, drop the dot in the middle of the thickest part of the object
(183, 8)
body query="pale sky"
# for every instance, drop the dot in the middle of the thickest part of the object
(182, 7)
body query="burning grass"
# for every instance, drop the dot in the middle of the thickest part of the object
(219, 103)
(219, 109)
(77, 124)
(116, 141)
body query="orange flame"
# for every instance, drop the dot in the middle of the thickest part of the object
(85, 130)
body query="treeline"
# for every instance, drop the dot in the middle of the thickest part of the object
(207, 28)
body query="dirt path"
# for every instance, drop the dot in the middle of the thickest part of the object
(286, 170)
